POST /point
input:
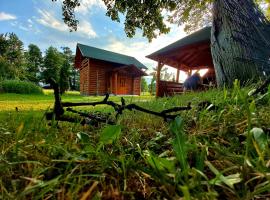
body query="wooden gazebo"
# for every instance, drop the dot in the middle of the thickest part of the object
(190, 53)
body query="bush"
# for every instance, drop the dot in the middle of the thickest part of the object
(20, 87)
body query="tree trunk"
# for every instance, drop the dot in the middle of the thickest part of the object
(240, 44)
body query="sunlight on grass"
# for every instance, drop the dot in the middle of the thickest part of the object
(10, 101)
(202, 154)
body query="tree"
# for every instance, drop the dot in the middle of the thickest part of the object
(52, 64)
(12, 57)
(64, 77)
(34, 62)
(3, 45)
(144, 86)
(74, 77)
(165, 75)
(5, 70)
(152, 85)
(240, 32)
(240, 43)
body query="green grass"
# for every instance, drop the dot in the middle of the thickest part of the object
(9, 101)
(201, 155)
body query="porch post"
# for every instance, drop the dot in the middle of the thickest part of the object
(177, 74)
(160, 65)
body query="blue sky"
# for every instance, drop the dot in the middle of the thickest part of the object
(40, 22)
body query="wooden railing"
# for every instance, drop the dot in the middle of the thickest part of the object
(169, 88)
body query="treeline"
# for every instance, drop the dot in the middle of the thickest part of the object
(29, 65)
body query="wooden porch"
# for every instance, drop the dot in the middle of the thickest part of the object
(190, 53)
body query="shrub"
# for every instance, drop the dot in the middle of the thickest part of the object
(20, 87)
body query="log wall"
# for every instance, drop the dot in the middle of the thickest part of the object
(99, 77)
(98, 80)
(84, 79)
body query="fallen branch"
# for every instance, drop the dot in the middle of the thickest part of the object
(58, 110)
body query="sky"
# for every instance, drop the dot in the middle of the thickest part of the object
(40, 22)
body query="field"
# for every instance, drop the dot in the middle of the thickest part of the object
(218, 153)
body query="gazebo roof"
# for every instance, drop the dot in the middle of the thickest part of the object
(192, 51)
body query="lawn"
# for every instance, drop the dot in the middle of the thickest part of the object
(202, 154)
(9, 102)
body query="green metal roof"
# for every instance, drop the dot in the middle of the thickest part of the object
(198, 36)
(101, 54)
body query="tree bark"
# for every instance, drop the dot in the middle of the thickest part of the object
(240, 42)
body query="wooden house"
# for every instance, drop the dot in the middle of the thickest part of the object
(104, 72)
(190, 53)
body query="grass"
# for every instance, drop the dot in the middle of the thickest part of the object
(220, 154)
(9, 101)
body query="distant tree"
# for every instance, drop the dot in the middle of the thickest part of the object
(34, 63)
(64, 77)
(3, 45)
(144, 86)
(152, 85)
(165, 75)
(74, 77)
(12, 56)
(52, 64)
(14, 52)
(5, 70)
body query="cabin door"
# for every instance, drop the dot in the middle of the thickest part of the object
(122, 85)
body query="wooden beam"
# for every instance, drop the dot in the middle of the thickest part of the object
(159, 67)
(177, 75)
(120, 68)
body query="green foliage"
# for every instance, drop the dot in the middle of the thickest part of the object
(165, 75)
(64, 77)
(152, 85)
(52, 64)
(6, 71)
(12, 63)
(229, 180)
(110, 134)
(151, 17)
(180, 144)
(160, 164)
(144, 86)
(20, 87)
(74, 74)
(34, 62)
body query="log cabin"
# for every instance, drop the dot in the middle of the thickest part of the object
(103, 71)
(190, 53)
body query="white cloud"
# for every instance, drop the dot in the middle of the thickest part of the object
(24, 28)
(6, 16)
(85, 28)
(49, 20)
(141, 49)
(30, 21)
(14, 23)
(86, 5)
